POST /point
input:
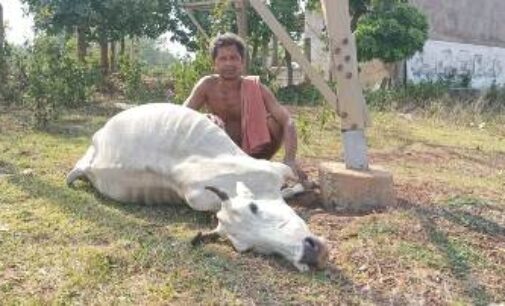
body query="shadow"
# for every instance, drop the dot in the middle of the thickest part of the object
(84, 202)
(69, 127)
(310, 203)
(472, 158)
(474, 222)
(458, 263)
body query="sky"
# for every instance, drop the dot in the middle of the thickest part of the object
(20, 27)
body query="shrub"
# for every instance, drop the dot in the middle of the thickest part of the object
(186, 74)
(302, 94)
(130, 71)
(54, 80)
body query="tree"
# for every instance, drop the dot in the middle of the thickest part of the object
(1, 32)
(389, 30)
(103, 21)
(2, 64)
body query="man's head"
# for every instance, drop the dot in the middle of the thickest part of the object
(228, 55)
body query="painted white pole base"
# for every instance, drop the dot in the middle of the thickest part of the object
(355, 150)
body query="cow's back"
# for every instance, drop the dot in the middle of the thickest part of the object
(135, 153)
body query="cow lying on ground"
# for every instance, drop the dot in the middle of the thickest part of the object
(165, 153)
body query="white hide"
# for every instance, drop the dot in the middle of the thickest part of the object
(163, 153)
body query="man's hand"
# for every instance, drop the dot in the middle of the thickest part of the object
(302, 176)
(217, 121)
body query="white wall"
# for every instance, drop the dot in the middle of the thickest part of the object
(484, 64)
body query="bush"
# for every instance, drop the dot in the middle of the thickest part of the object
(412, 95)
(14, 79)
(54, 80)
(130, 72)
(302, 94)
(186, 74)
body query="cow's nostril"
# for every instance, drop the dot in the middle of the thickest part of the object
(315, 252)
(311, 243)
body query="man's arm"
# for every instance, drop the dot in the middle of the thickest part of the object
(282, 116)
(198, 96)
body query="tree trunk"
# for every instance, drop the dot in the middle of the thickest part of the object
(104, 55)
(275, 48)
(1, 32)
(113, 56)
(81, 44)
(264, 53)
(395, 76)
(254, 53)
(121, 47)
(289, 66)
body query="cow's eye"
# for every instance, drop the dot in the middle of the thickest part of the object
(254, 208)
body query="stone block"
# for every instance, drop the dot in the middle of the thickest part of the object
(352, 191)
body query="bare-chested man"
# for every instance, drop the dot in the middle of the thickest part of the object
(221, 94)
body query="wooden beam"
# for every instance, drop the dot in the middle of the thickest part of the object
(298, 56)
(202, 5)
(197, 24)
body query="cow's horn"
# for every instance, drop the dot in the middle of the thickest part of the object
(223, 196)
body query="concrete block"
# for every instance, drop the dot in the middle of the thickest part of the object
(351, 191)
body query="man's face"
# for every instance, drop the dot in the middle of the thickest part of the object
(228, 62)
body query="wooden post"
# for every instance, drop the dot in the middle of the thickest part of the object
(307, 50)
(240, 6)
(295, 52)
(352, 103)
(197, 24)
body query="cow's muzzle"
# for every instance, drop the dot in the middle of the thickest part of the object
(315, 252)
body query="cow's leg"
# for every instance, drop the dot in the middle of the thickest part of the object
(199, 199)
(75, 174)
(79, 170)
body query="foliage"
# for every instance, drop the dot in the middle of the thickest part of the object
(419, 95)
(391, 33)
(186, 74)
(130, 71)
(103, 21)
(46, 78)
(302, 94)
(14, 75)
(389, 30)
(494, 97)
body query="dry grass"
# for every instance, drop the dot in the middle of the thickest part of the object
(444, 243)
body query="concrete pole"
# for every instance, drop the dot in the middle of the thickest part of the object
(350, 95)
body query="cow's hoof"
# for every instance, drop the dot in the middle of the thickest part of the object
(197, 239)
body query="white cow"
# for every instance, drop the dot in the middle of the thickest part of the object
(165, 153)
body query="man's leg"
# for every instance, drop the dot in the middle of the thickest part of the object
(276, 134)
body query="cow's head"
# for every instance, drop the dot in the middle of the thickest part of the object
(268, 225)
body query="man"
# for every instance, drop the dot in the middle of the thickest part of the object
(246, 109)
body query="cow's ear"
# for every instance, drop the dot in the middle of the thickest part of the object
(243, 191)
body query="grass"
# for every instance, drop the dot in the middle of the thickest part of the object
(444, 243)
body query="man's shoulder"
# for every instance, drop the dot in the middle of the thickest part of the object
(211, 78)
